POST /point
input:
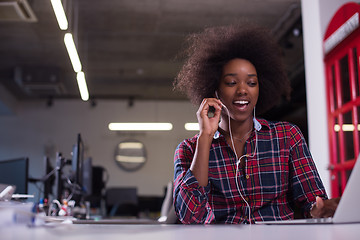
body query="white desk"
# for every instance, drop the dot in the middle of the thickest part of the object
(181, 232)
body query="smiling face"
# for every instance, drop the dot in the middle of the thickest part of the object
(239, 89)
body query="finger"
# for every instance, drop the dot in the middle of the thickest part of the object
(215, 108)
(317, 208)
(202, 107)
(319, 202)
(216, 103)
(217, 112)
(203, 103)
(209, 103)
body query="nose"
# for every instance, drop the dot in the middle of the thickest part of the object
(242, 89)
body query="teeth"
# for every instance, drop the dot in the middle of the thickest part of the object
(242, 102)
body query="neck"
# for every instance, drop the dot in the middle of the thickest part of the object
(238, 128)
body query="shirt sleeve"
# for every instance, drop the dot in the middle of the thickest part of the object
(190, 200)
(305, 181)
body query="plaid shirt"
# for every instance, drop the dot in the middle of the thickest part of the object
(279, 176)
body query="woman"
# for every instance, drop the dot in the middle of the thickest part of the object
(240, 169)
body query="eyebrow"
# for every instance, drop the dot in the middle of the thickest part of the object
(234, 74)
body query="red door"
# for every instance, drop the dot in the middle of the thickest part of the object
(342, 47)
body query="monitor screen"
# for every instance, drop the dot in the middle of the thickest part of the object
(87, 177)
(15, 172)
(77, 160)
(49, 179)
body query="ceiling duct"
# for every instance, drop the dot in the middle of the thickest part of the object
(16, 10)
(39, 81)
(287, 21)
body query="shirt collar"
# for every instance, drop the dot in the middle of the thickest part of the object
(216, 135)
(257, 126)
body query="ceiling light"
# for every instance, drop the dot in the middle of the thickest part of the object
(192, 126)
(71, 49)
(84, 93)
(60, 14)
(140, 126)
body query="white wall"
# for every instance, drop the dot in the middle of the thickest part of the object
(316, 15)
(35, 129)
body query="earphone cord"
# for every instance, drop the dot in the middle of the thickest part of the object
(238, 163)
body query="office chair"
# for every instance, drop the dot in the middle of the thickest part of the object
(167, 214)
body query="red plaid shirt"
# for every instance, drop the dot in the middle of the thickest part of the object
(280, 176)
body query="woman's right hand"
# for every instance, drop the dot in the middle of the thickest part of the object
(209, 125)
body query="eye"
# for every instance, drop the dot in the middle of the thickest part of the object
(230, 83)
(252, 83)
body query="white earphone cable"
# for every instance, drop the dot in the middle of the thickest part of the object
(238, 161)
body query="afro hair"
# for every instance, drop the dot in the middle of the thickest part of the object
(209, 50)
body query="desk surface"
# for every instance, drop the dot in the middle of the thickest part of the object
(183, 232)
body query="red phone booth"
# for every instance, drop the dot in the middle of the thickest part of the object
(342, 47)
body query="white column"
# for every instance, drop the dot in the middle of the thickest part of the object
(316, 15)
(315, 88)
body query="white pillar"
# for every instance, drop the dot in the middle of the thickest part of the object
(315, 88)
(316, 15)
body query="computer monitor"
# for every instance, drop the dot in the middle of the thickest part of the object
(87, 177)
(77, 161)
(81, 169)
(15, 172)
(49, 178)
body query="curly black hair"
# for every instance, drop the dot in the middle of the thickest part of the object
(210, 50)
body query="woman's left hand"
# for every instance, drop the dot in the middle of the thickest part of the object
(324, 208)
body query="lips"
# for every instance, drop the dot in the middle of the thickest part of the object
(241, 104)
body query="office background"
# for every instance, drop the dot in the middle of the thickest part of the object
(37, 128)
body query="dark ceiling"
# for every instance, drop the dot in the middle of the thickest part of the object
(128, 48)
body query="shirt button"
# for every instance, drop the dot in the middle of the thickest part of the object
(247, 176)
(246, 199)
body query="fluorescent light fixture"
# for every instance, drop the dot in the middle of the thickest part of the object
(140, 126)
(192, 126)
(346, 127)
(71, 49)
(131, 145)
(84, 93)
(130, 159)
(60, 14)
